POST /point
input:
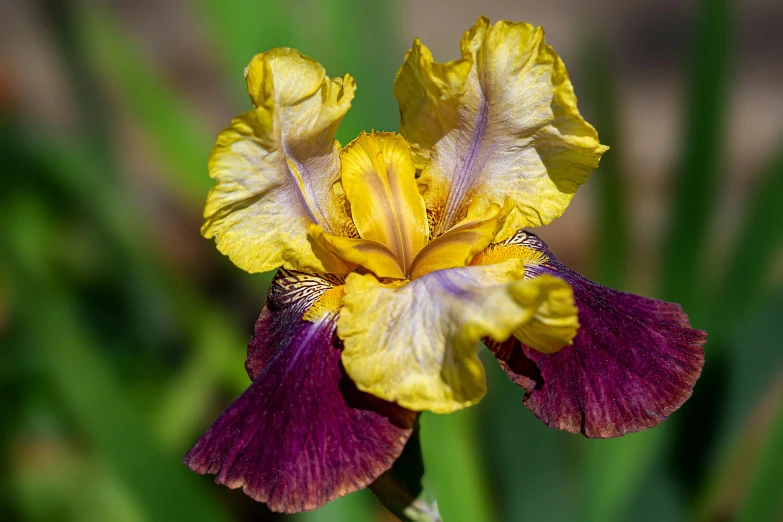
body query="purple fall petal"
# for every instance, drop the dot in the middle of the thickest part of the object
(634, 360)
(290, 295)
(301, 435)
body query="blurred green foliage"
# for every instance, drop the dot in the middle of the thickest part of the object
(114, 359)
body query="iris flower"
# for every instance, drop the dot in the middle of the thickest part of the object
(399, 253)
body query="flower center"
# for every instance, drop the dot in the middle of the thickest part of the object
(379, 179)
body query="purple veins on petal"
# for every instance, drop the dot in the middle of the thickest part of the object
(301, 435)
(633, 362)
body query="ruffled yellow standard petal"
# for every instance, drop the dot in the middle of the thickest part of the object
(463, 241)
(276, 167)
(424, 88)
(379, 180)
(506, 126)
(416, 344)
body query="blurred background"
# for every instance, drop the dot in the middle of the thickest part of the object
(123, 331)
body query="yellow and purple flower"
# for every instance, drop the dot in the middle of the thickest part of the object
(400, 252)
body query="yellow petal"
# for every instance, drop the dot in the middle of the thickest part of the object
(458, 245)
(554, 321)
(416, 344)
(277, 165)
(379, 180)
(512, 131)
(369, 254)
(420, 86)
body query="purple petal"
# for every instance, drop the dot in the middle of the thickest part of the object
(301, 435)
(290, 296)
(633, 362)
